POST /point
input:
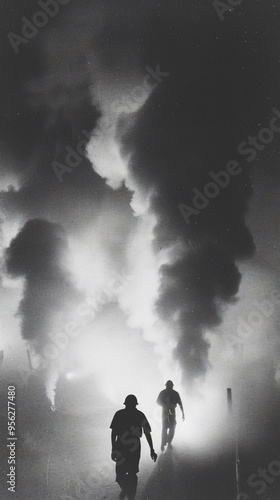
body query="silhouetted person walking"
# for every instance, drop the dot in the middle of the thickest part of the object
(168, 399)
(127, 427)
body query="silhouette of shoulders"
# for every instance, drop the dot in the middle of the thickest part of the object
(174, 396)
(124, 419)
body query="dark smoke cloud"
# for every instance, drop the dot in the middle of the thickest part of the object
(37, 254)
(45, 94)
(191, 125)
(46, 99)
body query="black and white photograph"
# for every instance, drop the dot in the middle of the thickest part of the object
(139, 250)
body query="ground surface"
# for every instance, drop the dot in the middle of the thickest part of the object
(69, 459)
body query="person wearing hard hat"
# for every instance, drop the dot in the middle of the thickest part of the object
(168, 400)
(127, 428)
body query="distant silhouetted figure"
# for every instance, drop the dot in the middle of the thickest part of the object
(168, 399)
(127, 427)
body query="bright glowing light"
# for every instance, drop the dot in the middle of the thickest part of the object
(9, 230)
(206, 414)
(88, 265)
(105, 154)
(9, 183)
(138, 297)
(50, 383)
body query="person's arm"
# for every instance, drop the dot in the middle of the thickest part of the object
(159, 400)
(182, 409)
(113, 438)
(114, 452)
(150, 443)
(116, 455)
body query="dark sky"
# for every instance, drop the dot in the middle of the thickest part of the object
(140, 201)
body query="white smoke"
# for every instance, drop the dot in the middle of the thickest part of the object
(140, 293)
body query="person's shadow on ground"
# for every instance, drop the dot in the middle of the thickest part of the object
(186, 476)
(161, 484)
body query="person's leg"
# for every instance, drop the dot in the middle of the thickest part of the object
(171, 428)
(132, 480)
(171, 433)
(133, 469)
(121, 479)
(165, 425)
(163, 435)
(123, 495)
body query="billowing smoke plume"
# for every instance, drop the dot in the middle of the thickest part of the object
(189, 127)
(36, 254)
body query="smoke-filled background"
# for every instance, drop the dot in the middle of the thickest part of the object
(114, 116)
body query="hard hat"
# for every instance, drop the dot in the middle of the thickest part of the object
(131, 400)
(169, 382)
